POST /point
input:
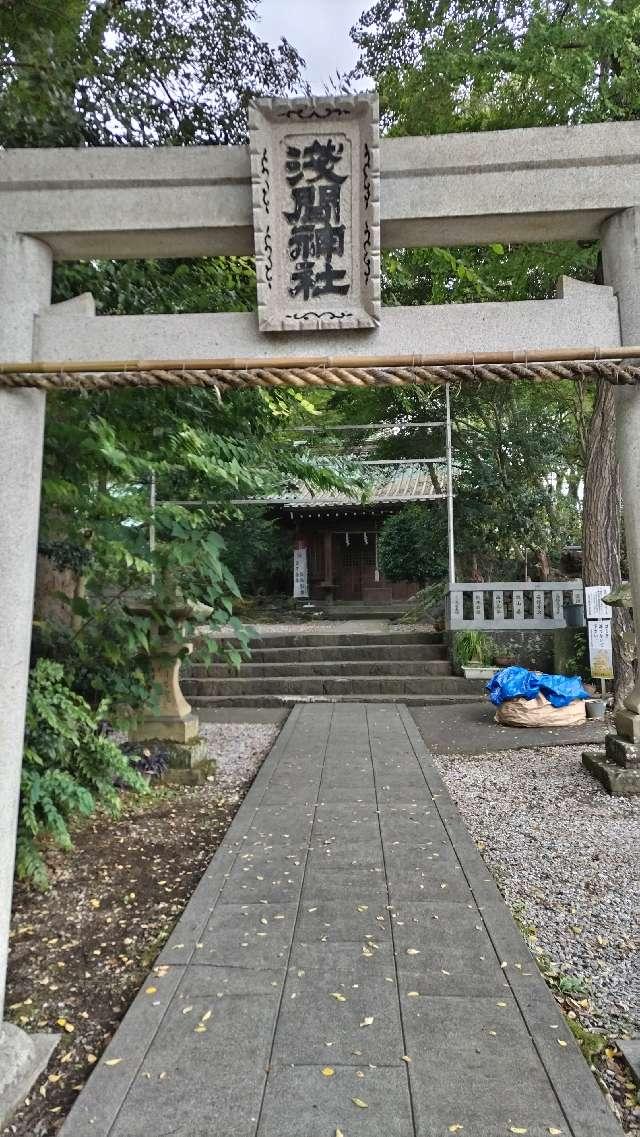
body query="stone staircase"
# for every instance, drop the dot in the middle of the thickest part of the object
(386, 666)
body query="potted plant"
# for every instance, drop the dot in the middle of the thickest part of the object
(475, 651)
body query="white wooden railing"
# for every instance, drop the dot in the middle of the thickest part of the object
(512, 605)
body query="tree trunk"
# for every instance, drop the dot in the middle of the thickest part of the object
(602, 527)
(544, 568)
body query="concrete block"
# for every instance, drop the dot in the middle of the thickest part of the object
(311, 1016)
(627, 725)
(620, 751)
(332, 883)
(23, 1057)
(581, 1099)
(630, 1047)
(617, 780)
(300, 1100)
(357, 919)
(485, 1048)
(360, 958)
(235, 936)
(276, 879)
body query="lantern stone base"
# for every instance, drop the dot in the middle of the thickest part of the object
(188, 762)
(173, 728)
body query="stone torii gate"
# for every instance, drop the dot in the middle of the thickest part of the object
(510, 186)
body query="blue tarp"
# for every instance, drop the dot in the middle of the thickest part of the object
(518, 683)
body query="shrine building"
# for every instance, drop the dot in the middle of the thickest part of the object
(336, 535)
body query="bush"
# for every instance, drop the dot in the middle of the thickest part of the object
(259, 553)
(413, 543)
(474, 647)
(69, 768)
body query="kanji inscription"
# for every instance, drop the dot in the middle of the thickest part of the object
(316, 207)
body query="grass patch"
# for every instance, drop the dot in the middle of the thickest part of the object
(591, 1044)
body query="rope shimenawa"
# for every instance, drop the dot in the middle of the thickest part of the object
(577, 364)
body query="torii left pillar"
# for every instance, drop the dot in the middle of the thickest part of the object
(25, 287)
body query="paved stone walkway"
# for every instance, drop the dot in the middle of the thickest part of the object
(346, 966)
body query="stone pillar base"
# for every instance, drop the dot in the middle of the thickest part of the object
(618, 765)
(628, 725)
(617, 780)
(23, 1057)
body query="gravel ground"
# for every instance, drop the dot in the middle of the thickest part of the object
(567, 858)
(238, 748)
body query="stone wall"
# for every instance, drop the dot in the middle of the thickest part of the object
(537, 650)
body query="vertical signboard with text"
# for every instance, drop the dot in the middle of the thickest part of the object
(599, 628)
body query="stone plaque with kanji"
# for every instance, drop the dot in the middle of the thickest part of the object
(315, 175)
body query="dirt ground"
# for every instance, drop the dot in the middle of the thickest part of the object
(79, 952)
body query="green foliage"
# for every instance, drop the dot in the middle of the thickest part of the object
(427, 605)
(69, 768)
(135, 72)
(480, 65)
(413, 543)
(95, 72)
(259, 553)
(100, 457)
(139, 287)
(590, 1042)
(474, 647)
(577, 660)
(475, 66)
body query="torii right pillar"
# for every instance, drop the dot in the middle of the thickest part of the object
(619, 767)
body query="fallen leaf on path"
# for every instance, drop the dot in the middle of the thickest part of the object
(112, 1061)
(328, 1071)
(367, 1021)
(360, 1103)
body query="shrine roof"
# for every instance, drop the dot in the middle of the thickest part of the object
(390, 484)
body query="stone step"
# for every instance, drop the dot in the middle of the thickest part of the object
(355, 613)
(212, 702)
(344, 685)
(293, 670)
(342, 639)
(344, 653)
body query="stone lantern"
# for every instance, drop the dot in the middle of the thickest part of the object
(170, 726)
